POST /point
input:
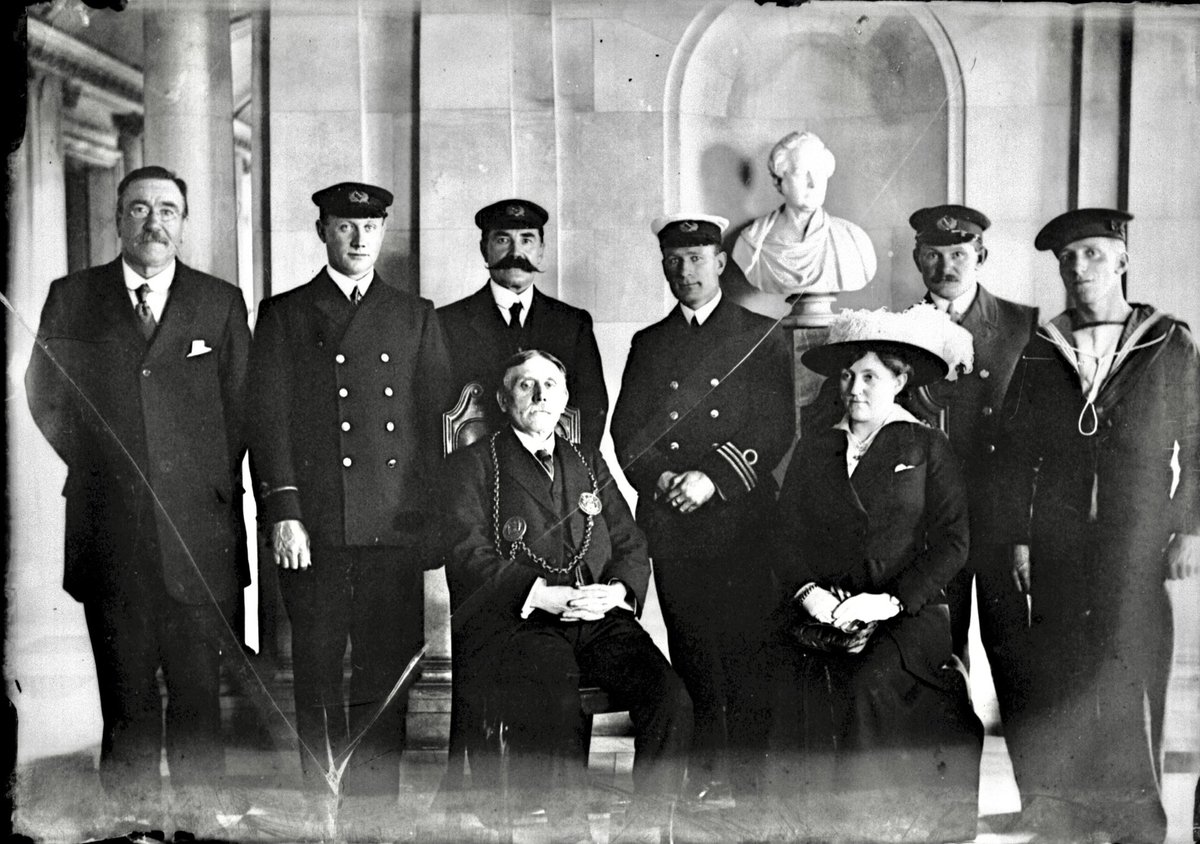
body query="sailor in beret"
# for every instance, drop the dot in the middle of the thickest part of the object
(704, 415)
(509, 314)
(349, 378)
(1100, 468)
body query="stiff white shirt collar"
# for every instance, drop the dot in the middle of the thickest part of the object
(896, 414)
(160, 287)
(504, 299)
(347, 284)
(702, 313)
(959, 304)
(534, 444)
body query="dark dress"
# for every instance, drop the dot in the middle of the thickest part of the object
(887, 734)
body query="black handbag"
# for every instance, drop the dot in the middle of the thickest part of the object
(819, 636)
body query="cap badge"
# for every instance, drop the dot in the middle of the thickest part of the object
(689, 226)
(358, 197)
(947, 224)
(515, 210)
(1115, 225)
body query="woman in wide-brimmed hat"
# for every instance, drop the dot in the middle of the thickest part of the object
(873, 709)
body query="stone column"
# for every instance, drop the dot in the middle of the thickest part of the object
(189, 123)
(130, 128)
(47, 643)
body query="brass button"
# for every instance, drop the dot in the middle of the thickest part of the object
(987, 410)
(384, 357)
(145, 373)
(391, 426)
(347, 462)
(673, 415)
(391, 462)
(387, 391)
(674, 385)
(991, 449)
(712, 382)
(345, 426)
(674, 446)
(340, 358)
(343, 392)
(983, 373)
(714, 413)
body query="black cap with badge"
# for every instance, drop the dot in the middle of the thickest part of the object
(511, 214)
(1080, 223)
(945, 225)
(354, 200)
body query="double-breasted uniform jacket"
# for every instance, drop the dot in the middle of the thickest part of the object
(151, 432)
(480, 342)
(487, 585)
(1000, 329)
(898, 525)
(717, 398)
(346, 412)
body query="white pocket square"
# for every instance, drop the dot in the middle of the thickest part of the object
(903, 467)
(199, 347)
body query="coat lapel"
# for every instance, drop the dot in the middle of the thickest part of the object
(334, 310)
(882, 457)
(981, 318)
(575, 483)
(485, 316)
(179, 317)
(524, 470)
(113, 308)
(831, 468)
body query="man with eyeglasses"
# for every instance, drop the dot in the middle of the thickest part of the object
(138, 381)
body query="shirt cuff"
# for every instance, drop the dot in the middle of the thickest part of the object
(527, 608)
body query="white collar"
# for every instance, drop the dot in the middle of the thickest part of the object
(160, 282)
(702, 313)
(898, 413)
(347, 284)
(534, 444)
(959, 304)
(504, 298)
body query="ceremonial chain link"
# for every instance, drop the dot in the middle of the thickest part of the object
(518, 545)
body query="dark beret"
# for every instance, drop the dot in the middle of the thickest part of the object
(1080, 223)
(353, 200)
(511, 214)
(677, 230)
(945, 225)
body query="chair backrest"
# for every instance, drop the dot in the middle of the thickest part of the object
(467, 421)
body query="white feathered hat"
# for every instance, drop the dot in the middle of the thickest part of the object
(927, 338)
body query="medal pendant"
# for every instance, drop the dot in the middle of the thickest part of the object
(514, 529)
(589, 503)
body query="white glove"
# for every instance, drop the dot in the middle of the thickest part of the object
(865, 607)
(818, 602)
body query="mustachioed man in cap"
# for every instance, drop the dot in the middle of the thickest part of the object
(349, 378)
(704, 415)
(509, 314)
(950, 255)
(1100, 473)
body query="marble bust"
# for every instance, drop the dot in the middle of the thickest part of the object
(799, 247)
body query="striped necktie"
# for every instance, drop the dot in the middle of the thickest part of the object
(145, 316)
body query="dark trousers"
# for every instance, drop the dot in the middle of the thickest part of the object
(375, 599)
(133, 634)
(715, 612)
(531, 681)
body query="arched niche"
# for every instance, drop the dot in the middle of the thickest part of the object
(879, 83)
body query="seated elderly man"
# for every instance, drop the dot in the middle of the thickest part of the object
(547, 573)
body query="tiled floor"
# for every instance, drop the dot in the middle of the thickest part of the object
(59, 800)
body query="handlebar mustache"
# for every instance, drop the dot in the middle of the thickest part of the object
(514, 262)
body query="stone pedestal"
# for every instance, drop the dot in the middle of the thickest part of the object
(809, 321)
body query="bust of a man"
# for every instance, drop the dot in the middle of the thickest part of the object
(798, 247)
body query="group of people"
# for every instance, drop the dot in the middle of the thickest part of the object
(816, 631)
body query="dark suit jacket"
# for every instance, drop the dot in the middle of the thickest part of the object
(487, 591)
(164, 417)
(717, 399)
(899, 525)
(480, 342)
(346, 407)
(999, 331)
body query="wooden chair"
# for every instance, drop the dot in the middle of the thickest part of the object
(464, 424)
